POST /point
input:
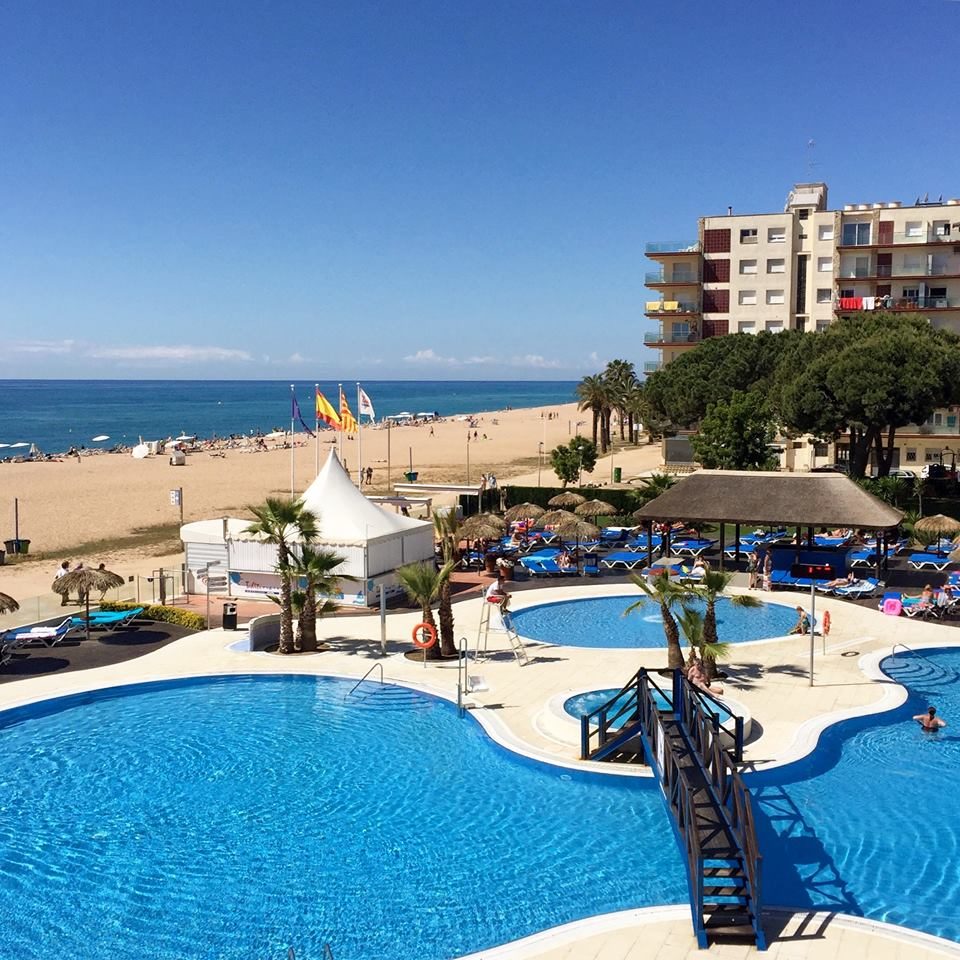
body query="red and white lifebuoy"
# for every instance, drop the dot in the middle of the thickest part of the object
(826, 623)
(424, 635)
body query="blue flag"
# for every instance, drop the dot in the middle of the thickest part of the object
(296, 415)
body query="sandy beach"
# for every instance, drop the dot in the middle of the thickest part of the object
(117, 510)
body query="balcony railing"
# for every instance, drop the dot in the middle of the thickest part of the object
(884, 270)
(924, 236)
(670, 306)
(651, 366)
(671, 337)
(672, 246)
(905, 303)
(658, 276)
(933, 429)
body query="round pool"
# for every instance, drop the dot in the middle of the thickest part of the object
(600, 622)
(583, 703)
(237, 817)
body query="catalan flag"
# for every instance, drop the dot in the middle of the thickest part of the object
(326, 414)
(348, 423)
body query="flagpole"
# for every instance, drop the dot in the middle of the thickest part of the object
(359, 437)
(388, 456)
(340, 400)
(293, 436)
(316, 413)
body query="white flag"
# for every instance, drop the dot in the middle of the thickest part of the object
(365, 406)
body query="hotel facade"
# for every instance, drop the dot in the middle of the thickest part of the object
(804, 268)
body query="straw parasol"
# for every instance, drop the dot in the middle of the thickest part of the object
(554, 518)
(523, 511)
(83, 580)
(578, 529)
(595, 508)
(482, 526)
(938, 524)
(566, 499)
(8, 604)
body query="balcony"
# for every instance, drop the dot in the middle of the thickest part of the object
(926, 237)
(903, 304)
(658, 307)
(652, 366)
(886, 271)
(677, 278)
(670, 246)
(668, 338)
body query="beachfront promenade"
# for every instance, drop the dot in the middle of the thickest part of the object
(768, 677)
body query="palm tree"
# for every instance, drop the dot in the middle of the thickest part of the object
(667, 595)
(283, 521)
(691, 623)
(620, 376)
(652, 487)
(446, 528)
(711, 587)
(592, 396)
(313, 569)
(423, 583)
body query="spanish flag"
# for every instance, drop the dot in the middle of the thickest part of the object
(326, 414)
(347, 422)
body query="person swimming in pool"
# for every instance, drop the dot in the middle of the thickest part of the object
(930, 721)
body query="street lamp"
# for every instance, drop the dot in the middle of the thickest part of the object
(539, 460)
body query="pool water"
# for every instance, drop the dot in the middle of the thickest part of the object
(866, 824)
(583, 703)
(600, 622)
(233, 818)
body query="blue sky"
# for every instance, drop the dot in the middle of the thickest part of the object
(421, 189)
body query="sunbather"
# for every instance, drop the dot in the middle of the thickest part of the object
(699, 679)
(848, 581)
(803, 622)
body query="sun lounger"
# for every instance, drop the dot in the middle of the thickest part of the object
(48, 636)
(109, 620)
(862, 558)
(859, 590)
(591, 565)
(923, 561)
(624, 559)
(642, 544)
(691, 548)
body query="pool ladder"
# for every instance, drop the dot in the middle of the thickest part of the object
(376, 666)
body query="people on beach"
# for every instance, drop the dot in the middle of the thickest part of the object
(803, 622)
(930, 721)
(62, 571)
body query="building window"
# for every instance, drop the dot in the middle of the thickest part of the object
(777, 266)
(716, 241)
(856, 234)
(683, 274)
(910, 293)
(748, 266)
(776, 235)
(824, 295)
(825, 231)
(803, 214)
(847, 292)
(941, 228)
(911, 454)
(824, 264)
(775, 326)
(747, 298)
(748, 235)
(821, 450)
(913, 228)
(822, 325)
(750, 327)
(929, 456)
(775, 297)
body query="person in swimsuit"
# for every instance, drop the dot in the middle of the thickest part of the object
(930, 721)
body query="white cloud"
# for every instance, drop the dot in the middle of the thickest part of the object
(42, 346)
(429, 356)
(536, 361)
(530, 360)
(297, 358)
(180, 353)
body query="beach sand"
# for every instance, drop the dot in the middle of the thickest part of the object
(117, 510)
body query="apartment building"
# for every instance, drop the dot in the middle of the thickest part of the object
(802, 269)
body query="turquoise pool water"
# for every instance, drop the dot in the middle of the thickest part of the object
(233, 818)
(600, 622)
(584, 703)
(866, 825)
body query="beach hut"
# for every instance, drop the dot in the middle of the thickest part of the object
(373, 541)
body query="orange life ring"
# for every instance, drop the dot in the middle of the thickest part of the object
(826, 623)
(431, 636)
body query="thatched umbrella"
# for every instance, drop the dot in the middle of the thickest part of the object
(938, 524)
(523, 511)
(554, 518)
(578, 529)
(595, 508)
(566, 499)
(483, 526)
(8, 604)
(83, 580)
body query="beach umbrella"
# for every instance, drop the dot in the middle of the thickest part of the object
(99, 438)
(595, 508)
(140, 451)
(566, 499)
(524, 511)
(578, 529)
(8, 604)
(940, 525)
(13, 446)
(554, 518)
(83, 580)
(483, 526)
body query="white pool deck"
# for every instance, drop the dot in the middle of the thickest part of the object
(771, 678)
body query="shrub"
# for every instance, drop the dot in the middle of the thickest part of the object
(161, 614)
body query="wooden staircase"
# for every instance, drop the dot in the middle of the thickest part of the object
(709, 804)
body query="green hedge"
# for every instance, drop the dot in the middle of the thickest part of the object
(160, 614)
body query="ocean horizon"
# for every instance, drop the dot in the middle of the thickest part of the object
(58, 414)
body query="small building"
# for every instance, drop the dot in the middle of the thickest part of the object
(372, 541)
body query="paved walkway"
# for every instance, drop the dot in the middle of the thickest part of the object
(769, 677)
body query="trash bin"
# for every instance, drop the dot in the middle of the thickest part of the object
(617, 474)
(3, 557)
(411, 476)
(17, 546)
(229, 616)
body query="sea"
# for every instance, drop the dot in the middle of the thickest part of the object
(55, 415)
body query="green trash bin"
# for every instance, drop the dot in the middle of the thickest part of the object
(617, 474)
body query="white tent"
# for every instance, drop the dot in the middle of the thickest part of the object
(372, 541)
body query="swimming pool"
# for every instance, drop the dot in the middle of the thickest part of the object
(232, 818)
(583, 703)
(600, 622)
(865, 825)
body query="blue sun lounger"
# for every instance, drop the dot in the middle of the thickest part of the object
(591, 565)
(623, 558)
(48, 636)
(691, 547)
(109, 620)
(923, 561)
(862, 558)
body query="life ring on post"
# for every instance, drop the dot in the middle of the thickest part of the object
(826, 623)
(429, 638)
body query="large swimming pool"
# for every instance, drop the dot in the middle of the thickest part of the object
(233, 818)
(600, 622)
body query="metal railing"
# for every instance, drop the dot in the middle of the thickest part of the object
(376, 666)
(670, 306)
(690, 336)
(658, 276)
(671, 246)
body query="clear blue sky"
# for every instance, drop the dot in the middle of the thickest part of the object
(444, 189)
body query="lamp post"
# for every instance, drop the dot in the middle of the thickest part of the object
(539, 460)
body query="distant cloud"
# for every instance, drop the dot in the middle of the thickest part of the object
(42, 346)
(536, 361)
(179, 353)
(530, 360)
(429, 356)
(298, 358)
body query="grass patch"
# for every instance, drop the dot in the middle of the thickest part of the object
(165, 538)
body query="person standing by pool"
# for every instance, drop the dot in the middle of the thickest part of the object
(753, 565)
(62, 571)
(767, 571)
(930, 721)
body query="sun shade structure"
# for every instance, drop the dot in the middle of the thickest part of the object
(938, 524)
(790, 499)
(482, 526)
(595, 508)
(554, 518)
(524, 511)
(8, 604)
(83, 581)
(568, 499)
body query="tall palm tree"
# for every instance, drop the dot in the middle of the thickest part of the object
(422, 582)
(620, 376)
(446, 528)
(652, 487)
(283, 521)
(313, 569)
(711, 587)
(667, 595)
(592, 395)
